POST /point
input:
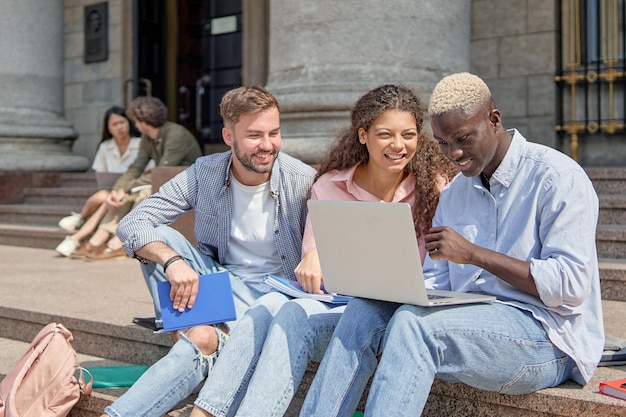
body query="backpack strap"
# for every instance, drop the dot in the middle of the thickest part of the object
(86, 388)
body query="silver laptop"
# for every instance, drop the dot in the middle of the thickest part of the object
(369, 250)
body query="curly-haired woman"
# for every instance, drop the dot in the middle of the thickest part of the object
(384, 155)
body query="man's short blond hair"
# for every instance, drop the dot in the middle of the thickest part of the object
(461, 91)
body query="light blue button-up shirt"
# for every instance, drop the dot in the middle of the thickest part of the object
(542, 208)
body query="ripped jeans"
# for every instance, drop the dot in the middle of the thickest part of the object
(177, 374)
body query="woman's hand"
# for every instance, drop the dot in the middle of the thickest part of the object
(309, 273)
(116, 199)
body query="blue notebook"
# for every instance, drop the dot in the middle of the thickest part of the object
(214, 303)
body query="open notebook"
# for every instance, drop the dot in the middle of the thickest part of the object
(369, 250)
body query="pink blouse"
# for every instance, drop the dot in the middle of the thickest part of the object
(339, 185)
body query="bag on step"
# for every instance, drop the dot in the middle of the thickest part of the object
(44, 382)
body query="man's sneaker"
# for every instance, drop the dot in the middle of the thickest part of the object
(68, 246)
(71, 223)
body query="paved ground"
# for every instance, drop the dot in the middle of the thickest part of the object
(40, 280)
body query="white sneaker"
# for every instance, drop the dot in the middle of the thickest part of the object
(71, 223)
(68, 246)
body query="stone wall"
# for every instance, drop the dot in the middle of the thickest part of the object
(91, 88)
(513, 48)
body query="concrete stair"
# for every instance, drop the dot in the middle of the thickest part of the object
(29, 214)
(98, 300)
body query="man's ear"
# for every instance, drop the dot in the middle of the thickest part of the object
(495, 118)
(227, 135)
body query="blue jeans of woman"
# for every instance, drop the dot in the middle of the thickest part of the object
(261, 366)
(493, 347)
(177, 374)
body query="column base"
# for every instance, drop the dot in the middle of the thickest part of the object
(14, 161)
(35, 140)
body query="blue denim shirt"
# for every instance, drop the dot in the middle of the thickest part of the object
(542, 208)
(205, 187)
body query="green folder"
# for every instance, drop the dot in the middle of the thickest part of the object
(116, 376)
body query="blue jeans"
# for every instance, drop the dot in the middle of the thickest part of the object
(178, 373)
(261, 366)
(492, 347)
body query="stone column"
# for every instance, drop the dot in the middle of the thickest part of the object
(324, 54)
(34, 136)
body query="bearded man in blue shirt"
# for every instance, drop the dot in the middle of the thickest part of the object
(519, 224)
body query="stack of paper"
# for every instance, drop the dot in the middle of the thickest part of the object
(293, 289)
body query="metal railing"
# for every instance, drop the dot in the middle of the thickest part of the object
(591, 75)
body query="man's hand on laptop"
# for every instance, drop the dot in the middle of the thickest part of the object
(309, 273)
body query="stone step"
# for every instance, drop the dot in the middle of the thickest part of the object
(35, 214)
(612, 209)
(100, 398)
(31, 236)
(608, 180)
(128, 343)
(613, 279)
(611, 241)
(78, 179)
(74, 196)
(97, 302)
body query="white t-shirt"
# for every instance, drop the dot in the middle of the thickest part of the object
(108, 158)
(252, 252)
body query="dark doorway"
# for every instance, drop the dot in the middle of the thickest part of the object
(222, 62)
(149, 58)
(189, 57)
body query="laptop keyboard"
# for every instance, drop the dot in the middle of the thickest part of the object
(436, 297)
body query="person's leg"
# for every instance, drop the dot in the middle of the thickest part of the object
(177, 374)
(493, 347)
(73, 245)
(93, 203)
(300, 333)
(164, 384)
(108, 225)
(91, 224)
(222, 391)
(350, 359)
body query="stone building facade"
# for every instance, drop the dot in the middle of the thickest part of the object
(317, 57)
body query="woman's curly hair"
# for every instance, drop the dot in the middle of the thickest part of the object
(429, 167)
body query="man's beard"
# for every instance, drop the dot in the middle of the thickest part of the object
(248, 162)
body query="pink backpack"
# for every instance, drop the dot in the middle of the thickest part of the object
(43, 383)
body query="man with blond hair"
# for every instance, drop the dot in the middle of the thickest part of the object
(250, 212)
(519, 224)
